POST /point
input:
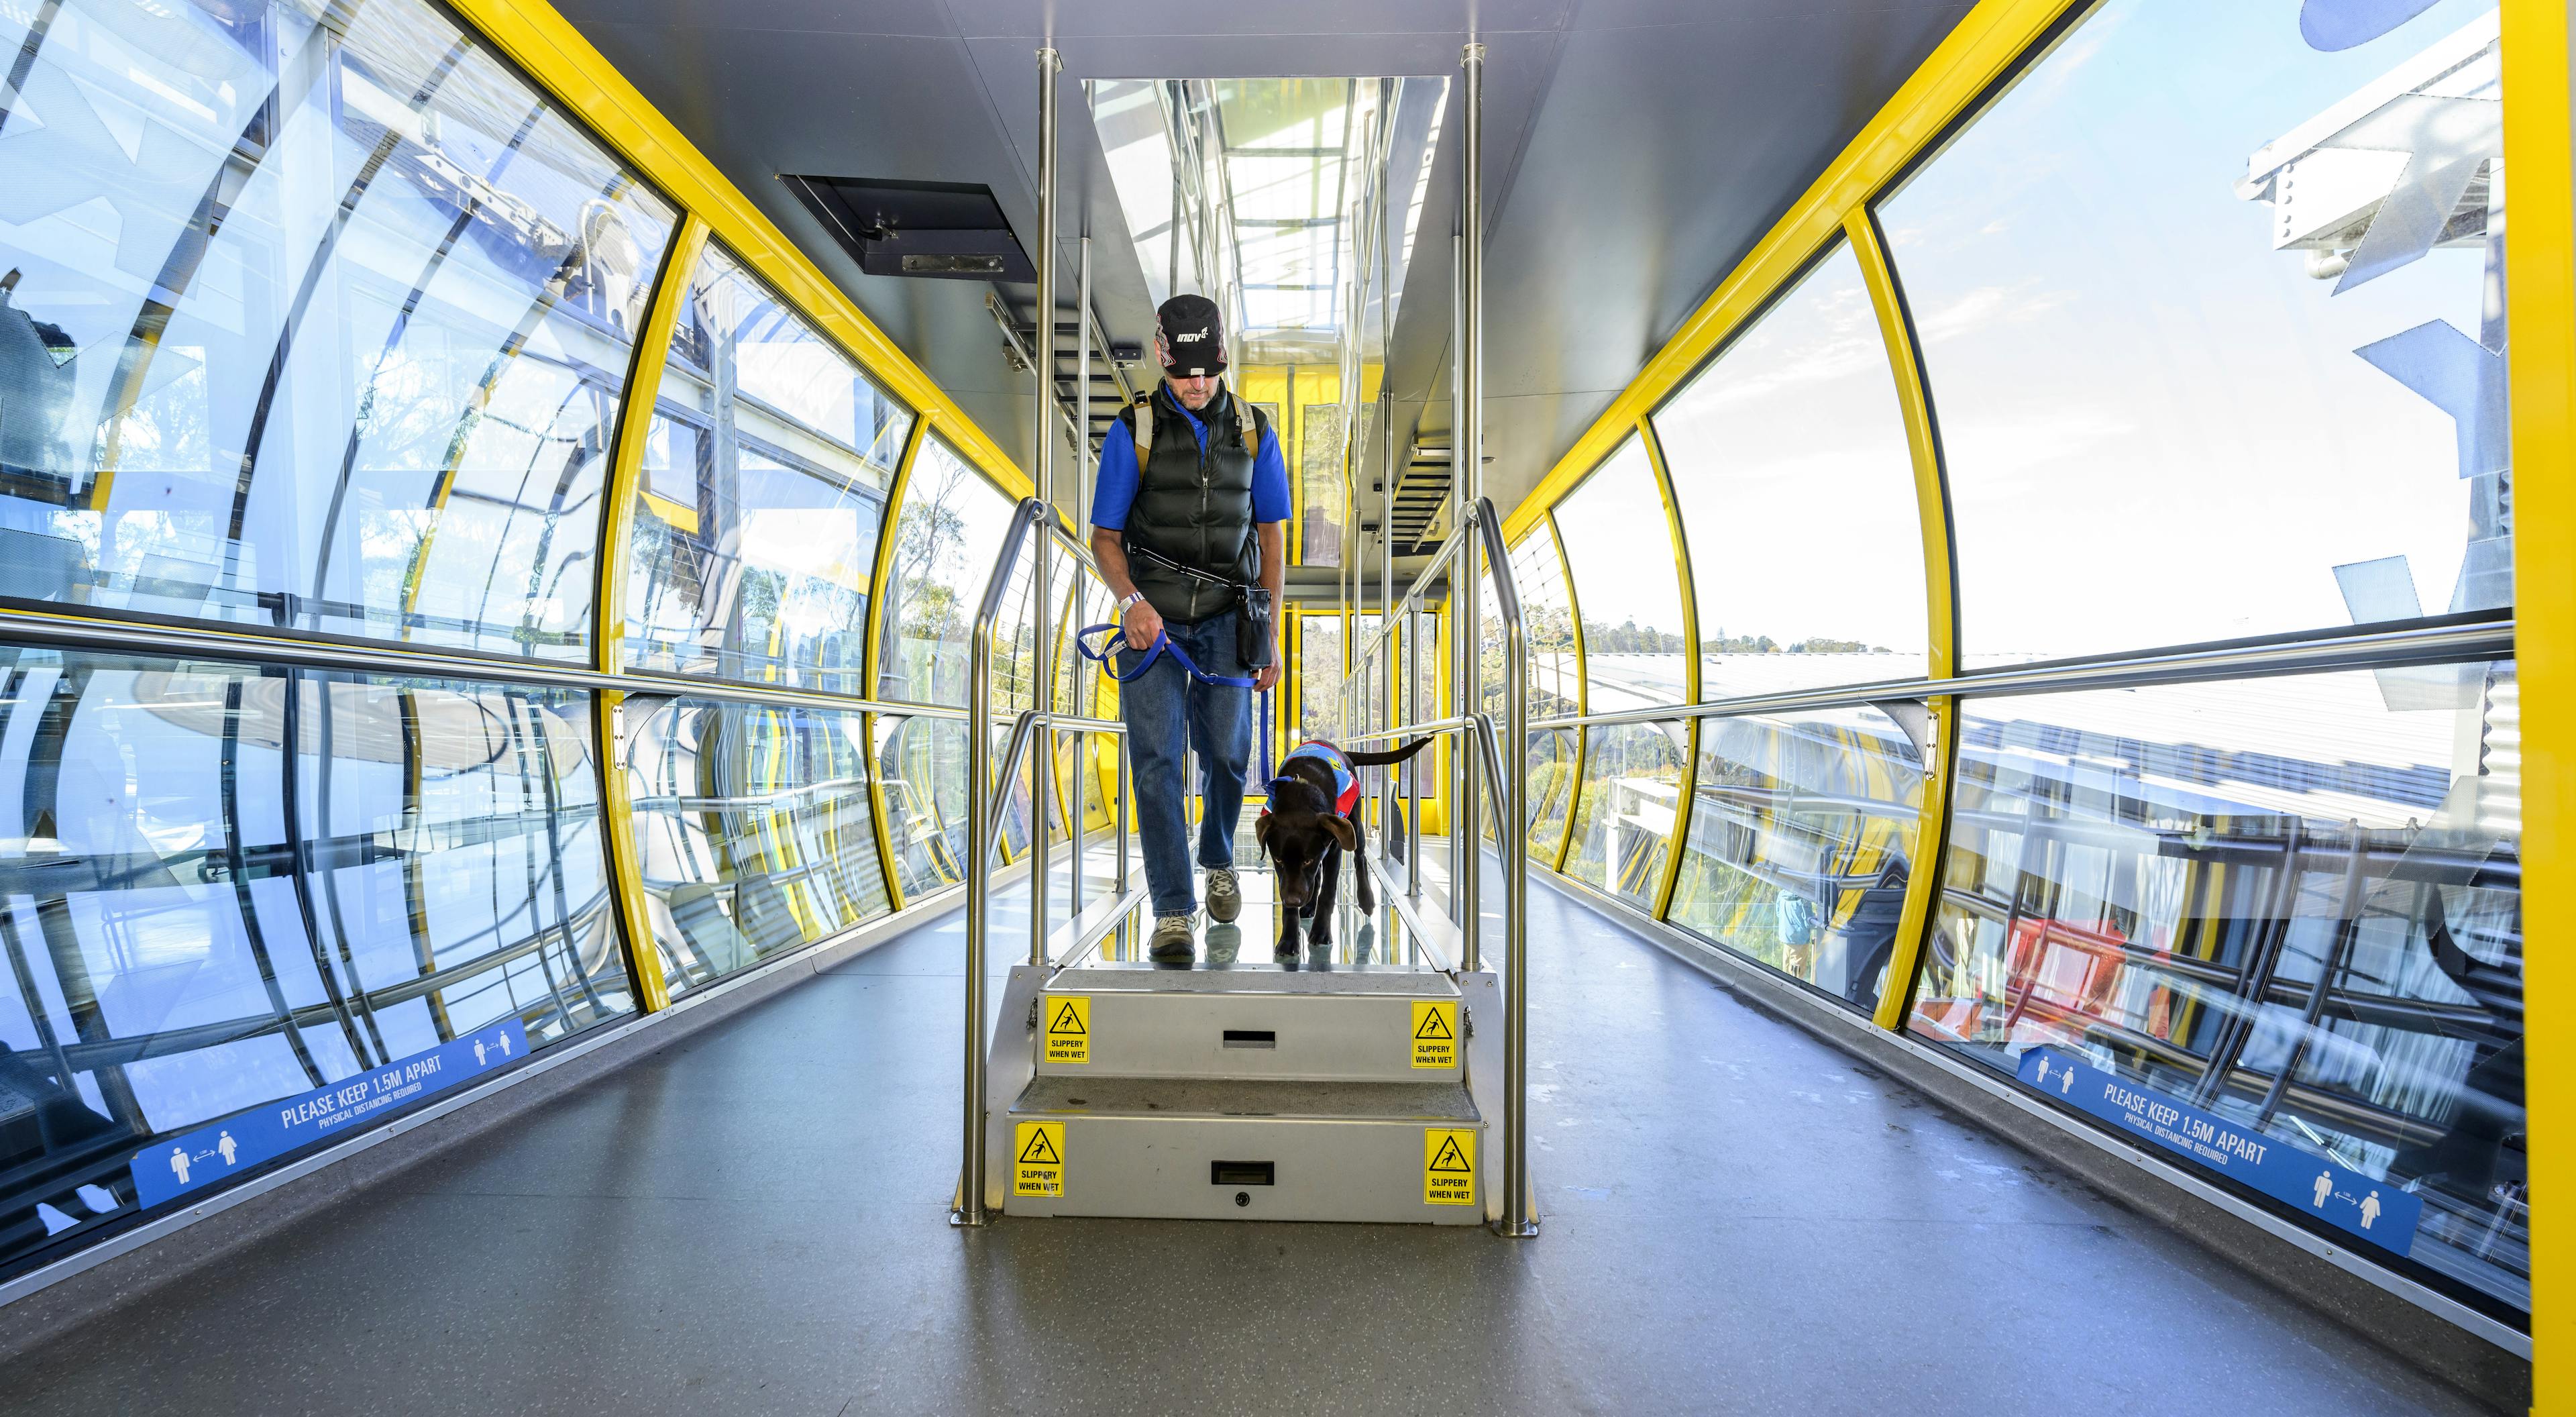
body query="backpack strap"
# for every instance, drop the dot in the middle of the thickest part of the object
(1247, 425)
(1144, 430)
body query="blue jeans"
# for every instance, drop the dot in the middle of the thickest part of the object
(1164, 709)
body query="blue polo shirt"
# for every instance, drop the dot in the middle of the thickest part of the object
(1114, 490)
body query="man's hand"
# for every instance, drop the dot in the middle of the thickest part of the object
(1266, 677)
(1142, 623)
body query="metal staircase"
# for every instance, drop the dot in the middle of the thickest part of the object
(1370, 1081)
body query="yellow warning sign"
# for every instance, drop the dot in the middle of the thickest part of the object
(1038, 1167)
(1435, 1033)
(1068, 1028)
(1448, 1166)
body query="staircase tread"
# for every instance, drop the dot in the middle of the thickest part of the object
(1219, 1097)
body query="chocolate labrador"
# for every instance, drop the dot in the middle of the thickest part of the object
(1309, 826)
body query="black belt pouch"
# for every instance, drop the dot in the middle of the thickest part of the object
(1252, 636)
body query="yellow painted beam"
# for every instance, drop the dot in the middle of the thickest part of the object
(1988, 40)
(1582, 699)
(2541, 289)
(1919, 915)
(1691, 685)
(541, 41)
(617, 825)
(872, 644)
(1922, 444)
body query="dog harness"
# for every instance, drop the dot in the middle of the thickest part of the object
(1346, 783)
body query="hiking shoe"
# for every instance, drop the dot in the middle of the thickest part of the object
(1171, 943)
(1225, 895)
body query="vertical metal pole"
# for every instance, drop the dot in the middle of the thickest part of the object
(1459, 629)
(1042, 471)
(1517, 1220)
(1414, 769)
(1084, 704)
(1386, 616)
(1468, 450)
(969, 1209)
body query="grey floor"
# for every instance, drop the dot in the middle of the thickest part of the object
(1738, 1219)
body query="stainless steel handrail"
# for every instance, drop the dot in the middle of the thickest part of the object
(1509, 794)
(988, 793)
(2378, 650)
(27, 627)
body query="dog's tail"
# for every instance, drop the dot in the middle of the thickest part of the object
(1373, 760)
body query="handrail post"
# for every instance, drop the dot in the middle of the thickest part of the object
(1042, 471)
(1466, 454)
(1413, 770)
(980, 812)
(1084, 704)
(1513, 832)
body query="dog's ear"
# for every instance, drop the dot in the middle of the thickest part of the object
(1261, 830)
(1342, 832)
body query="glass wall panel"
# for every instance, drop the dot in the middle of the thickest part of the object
(763, 492)
(2291, 902)
(1631, 790)
(1803, 834)
(1555, 678)
(923, 762)
(313, 324)
(1319, 676)
(197, 920)
(2214, 320)
(946, 538)
(1319, 482)
(1627, 579)
(1789, 459)
(754, 828)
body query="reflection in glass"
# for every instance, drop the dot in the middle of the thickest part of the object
(763, 489)
(318, 325)
(923, 766)
(1627, 580)
(1623, 824)
(754, 829)
(2295, 902)
(1802, 838)
(2217, 317)
(196, 920)
(946, 539)
(1319, 676)
(1555, 680)
(1788, 456)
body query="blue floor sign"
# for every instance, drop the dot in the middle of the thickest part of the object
(2375, 1210)
(169, 1169)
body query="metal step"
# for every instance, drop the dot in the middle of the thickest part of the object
(1342, 1025)
(1218, 1150)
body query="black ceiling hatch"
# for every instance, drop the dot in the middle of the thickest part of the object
(944, 230)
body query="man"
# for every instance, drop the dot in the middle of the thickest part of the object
(1182, 530)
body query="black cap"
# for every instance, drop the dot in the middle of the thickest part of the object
(1189, 336)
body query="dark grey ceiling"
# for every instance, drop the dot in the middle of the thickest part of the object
(1635, 149)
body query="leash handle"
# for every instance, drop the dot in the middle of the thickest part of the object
(1162, 645)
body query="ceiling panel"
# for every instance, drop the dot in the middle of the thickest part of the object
(1635, 150)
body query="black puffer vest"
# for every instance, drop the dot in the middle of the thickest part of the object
(1194, 508)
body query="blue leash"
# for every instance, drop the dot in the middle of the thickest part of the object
(1163, 645)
